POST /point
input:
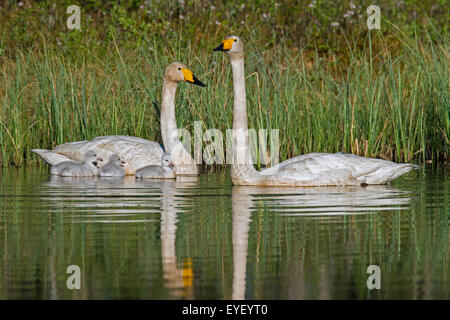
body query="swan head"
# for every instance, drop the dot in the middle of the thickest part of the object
(115, 159)
(178, 72)
(90, 157)
(232, 45)
(166, 161)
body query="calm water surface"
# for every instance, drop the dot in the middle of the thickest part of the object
(205, 239)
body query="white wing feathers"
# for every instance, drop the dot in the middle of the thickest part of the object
(338, 169)
(137, 152)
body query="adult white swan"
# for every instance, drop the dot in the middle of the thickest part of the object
(314, 169)
(135, 151)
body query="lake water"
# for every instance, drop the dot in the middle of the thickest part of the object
(205, 239)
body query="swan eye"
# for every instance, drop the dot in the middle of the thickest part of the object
(179, 68)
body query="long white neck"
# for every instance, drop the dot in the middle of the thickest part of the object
(169, 131)
(239, 105)
(241, 168)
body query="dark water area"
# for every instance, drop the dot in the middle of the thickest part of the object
(206, 239)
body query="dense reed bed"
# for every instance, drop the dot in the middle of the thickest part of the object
(379, 94)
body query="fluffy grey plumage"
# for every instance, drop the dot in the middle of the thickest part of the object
(89, 166)
(114, 167)
(164, 171)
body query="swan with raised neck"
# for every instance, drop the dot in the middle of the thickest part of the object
(138, 152)
(313, 169)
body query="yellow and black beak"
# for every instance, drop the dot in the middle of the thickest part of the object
(225, 45)
(189, 77)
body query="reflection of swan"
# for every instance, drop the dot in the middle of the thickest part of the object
(240, 204)
(124, 195)
(178, 279)
(107, 199)
(138, 152)
(314, 169)
(342, 200)
(87, 168)
(301, 203)
(164, 171)
(112, 200)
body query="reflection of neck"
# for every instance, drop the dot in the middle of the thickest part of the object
(241, 202)
(241, 166)
(169, 130)
(172, 274)
(168, 222)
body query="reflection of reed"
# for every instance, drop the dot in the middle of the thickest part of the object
(122, 195)
(302, 202)
(289, 254)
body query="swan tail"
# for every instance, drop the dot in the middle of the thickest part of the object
(50, 157)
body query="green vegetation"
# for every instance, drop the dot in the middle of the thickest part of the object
(328, 88)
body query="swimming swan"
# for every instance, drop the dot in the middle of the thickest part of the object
(138, 152)
(89, 167)
(314, 169)
(113, 168)
(164, 171)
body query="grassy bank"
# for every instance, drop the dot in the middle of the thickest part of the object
(379, 94)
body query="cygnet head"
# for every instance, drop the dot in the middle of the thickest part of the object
(115, 159)
(232, 45)
(90, 157)
(166, 161)
(178, 72)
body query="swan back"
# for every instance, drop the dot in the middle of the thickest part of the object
(136, 152)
